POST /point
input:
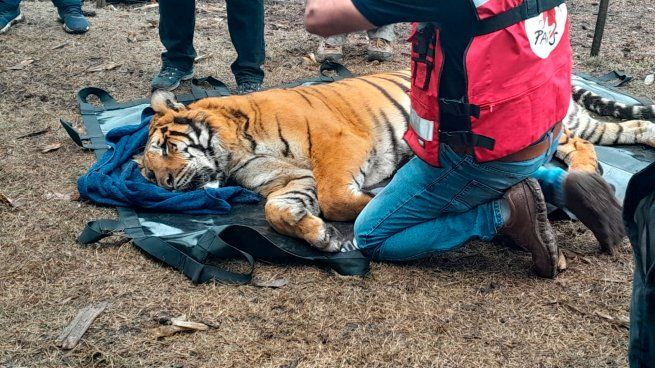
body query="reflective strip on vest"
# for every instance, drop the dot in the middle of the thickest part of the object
(422, 127)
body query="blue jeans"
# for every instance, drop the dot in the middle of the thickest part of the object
(426, 210)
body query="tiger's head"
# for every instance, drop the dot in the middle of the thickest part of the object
(183, 152)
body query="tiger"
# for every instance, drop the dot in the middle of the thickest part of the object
(315, 152)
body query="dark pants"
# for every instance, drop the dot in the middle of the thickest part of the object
(13, 4)
(245, 20)
(639, 218)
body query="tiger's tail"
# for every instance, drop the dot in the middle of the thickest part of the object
(606, 107)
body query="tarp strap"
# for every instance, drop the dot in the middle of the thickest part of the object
(95, 231)
(197, 270)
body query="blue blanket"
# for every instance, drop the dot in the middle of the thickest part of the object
(116, 180)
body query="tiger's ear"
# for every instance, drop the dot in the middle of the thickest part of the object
(162, 101)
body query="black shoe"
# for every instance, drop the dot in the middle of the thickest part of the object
(169, 78)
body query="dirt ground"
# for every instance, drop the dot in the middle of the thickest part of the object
(480, 306)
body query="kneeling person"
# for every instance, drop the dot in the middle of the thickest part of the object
(478, 126)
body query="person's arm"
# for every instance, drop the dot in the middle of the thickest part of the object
(330, 17)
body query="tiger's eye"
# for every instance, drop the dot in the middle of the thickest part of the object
(151, 175)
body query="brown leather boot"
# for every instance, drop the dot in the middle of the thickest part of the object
(529, 228)
(589, 197)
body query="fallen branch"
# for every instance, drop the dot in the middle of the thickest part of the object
(82, 321)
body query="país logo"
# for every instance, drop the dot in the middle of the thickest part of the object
(545, 30)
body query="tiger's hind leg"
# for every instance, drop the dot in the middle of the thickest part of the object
(578, 154)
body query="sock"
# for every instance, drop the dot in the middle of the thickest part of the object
(504, 210)
(551, 180)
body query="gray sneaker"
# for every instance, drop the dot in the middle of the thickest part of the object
(169, 78)
(248, 87)
(379, 49)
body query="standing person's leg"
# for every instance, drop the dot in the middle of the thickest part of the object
(379, 43)
(331, 48)
(427, 210)
(245, 20)
(177, 21)
(9, 14)
(70, 14)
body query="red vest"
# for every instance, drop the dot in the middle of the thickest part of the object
(495, 83)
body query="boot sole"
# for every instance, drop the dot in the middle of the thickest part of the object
(68, 30)
(379, 56)
(71, 31)
(16, 20)
(545, 232)
(601, 213)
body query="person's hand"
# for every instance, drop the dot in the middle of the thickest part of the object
(331, 17)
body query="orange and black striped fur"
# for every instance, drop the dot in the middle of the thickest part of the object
(313, 151)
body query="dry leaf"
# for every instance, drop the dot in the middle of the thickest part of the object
(203, 57)
(34, 134)
(179, 324)
(21, 65)
(146, 7)
(88, 13)
(153, 23)
(51, 147)
(165, 331)
(103, 67)
(61, 45)
(650, 78)
(58, 196)
(182, 322)
(6, 202)
(131, 37)
(271, 284)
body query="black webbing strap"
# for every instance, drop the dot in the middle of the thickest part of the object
(194, 262)
(466, 139)
(95, 231)
(326, 66)
(108, 102)
(458, 108)
(94, 138)
(199, 270)
(526, 10)
(218, 88)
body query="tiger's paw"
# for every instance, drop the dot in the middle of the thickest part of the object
(331, 239)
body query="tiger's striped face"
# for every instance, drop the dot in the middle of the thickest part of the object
(182, 152)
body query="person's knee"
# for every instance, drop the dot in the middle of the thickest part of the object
(364, 230)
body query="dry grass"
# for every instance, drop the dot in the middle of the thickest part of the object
(480, 306)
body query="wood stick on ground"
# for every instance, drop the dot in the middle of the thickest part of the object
(82, 321)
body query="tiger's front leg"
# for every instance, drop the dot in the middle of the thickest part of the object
(293, 211)
(292, 206)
